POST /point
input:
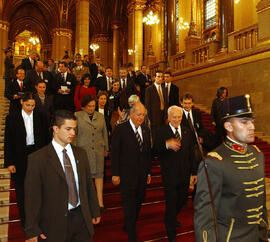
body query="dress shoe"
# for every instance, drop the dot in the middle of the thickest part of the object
(178, 224)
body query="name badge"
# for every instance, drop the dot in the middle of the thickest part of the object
(111, 97)
(69, 83)
(46, 81)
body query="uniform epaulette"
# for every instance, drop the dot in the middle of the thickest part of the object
(215, 155)
(256, 147)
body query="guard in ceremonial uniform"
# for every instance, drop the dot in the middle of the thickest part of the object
(236, 176)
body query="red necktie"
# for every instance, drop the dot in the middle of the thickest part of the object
(21, 85)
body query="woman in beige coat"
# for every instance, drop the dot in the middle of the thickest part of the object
(92, 136)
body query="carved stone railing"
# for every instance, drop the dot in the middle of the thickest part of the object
(204, 52)
(157, 66)
(178, 61)
(243, 39)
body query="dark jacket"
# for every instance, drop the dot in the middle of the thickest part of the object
(46, 194)
(127, 160)
(15, 141)
(26, 65)
(9, 68)
(173, 98)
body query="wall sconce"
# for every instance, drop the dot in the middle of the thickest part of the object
(94, 47)
(131, 51)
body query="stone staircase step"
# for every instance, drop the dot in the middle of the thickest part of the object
(4, 185)
(3, 232)
(4, 211)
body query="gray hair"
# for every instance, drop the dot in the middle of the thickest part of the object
(133, 108)
(174, 108)
(133, 99)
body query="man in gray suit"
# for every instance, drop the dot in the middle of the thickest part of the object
(60, 200)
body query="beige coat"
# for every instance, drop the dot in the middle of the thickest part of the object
(93, 138)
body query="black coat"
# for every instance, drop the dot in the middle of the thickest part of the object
(143, 81)
(64, 101)
(12, 89)
(101, 83)
(127, 160)
(26, 65)
(46, 194)
(9, 68)
(32, 77)
(15, 141)
(130, 87)
(173, 98)
(176, 167)
(152, 104)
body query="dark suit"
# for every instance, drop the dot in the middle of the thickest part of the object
(173, 97)
(132, 166)
(16, 150)
(144, 81)
(14, 88)
(130, 88)
(175, 168)
(101, 83)
(9, 72)
(152, 103)
(93, 68)
(46, 109)
(32, 77)
(46, 191)
(26, 65)
(64, 101)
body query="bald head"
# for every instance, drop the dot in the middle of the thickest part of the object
(137, 114)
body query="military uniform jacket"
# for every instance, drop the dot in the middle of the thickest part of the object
(236, 175)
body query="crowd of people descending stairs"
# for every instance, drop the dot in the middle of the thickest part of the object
(150, 226)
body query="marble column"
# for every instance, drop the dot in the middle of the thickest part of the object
(61, 41)
(82, 27)
(171, 27)
(135, 10)
(116, 43)
(4, 26)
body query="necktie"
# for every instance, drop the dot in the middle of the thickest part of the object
(21, 85)
(63, 76)
(72, 190)
(190, 122)
(124, 83)
(176, 134)
(138, 137)
(161, 98)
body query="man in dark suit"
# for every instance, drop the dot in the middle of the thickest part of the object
(60, 199)
(25, 132)
(9, 69)
(15, 90)
(104, 83)
(126, 83)
(172, 144)
(38, 74)
(131, 73)
(131, 165)
(144, 81)
(29, 62)
(94, 68)
(156, 103)
(171, 89)
(64, 88)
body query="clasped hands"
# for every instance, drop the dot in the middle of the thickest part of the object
(173, 144)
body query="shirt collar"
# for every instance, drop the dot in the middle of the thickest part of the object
(25, 115)
(174, 129)
(59, 148)
(186, 112)
(133, 125)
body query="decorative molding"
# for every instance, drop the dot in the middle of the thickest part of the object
(102, 38)
(155, 5)
(62, 32)
(136, 5)
(4, 25)
(263, 5)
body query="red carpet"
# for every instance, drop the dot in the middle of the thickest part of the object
(150, 225)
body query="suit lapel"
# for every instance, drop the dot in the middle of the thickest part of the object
(133, 134)
(22, 126)
(55, 162)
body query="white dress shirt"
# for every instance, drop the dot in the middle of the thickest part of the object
(168, 85)
(20, 82)
(59, 151)
(123, 82)
(174, 129)
(157, 87)
(190, 114)
(135, 130)
(29, 127)
(109, 83)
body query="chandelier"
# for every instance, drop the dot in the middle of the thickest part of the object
(183, 25)
(34, 40)
(151, 19)
(94, 47)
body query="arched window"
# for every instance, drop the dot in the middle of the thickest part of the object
(210, 13)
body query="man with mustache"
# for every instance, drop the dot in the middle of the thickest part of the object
(236, 176)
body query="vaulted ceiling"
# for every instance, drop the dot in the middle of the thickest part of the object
(41, 16)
